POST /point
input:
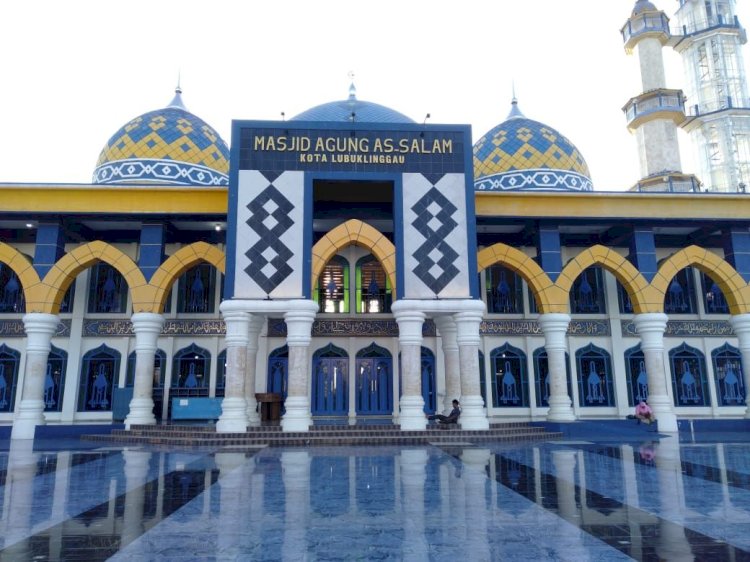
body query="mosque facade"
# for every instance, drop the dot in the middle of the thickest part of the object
(350, 264)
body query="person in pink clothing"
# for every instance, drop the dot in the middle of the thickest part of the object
(643, 412)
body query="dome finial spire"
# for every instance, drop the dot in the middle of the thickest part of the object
(352, 87)
(177, 99)
(514, 111)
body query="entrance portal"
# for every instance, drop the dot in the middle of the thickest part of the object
(330, 394)
(374, 381)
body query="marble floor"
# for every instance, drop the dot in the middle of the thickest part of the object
(660, 499)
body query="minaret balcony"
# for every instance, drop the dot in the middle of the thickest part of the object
(645, 24)
(695, 29)
(668, 182)
(699, 113)
(655, 104)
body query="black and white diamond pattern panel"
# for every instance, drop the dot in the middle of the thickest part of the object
(435, 237)
(269, 236)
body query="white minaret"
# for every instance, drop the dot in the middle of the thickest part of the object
(654, 115)
(709, 38)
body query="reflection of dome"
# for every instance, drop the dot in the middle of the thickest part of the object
(522, 154)
(352, 109)
(170, 146)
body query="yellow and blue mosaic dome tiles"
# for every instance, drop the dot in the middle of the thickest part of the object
(523, 154)
(170, 146)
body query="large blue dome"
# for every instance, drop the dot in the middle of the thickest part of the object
(352, 110)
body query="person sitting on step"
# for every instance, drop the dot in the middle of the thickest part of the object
(450, 418)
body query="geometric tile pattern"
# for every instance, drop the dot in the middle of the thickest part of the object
(435, 258)
(167, 145)
(269, 256)
(521, 153)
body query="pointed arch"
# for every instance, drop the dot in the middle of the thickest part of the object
(150, 298)
(23, 268)
(355, 231)
(731, 283)
(547, 295)
(52, 288)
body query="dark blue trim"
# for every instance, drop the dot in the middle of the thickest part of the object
(471, 216)
(549, 251)
(643, 252)
(151, 251)
(232, 202)
(736, 242)
(307, 234)
(50, 247)
(398, 235)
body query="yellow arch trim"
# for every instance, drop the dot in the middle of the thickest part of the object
(151, 297)
(731, 283)
(354, 231)
(24, 270)
(641, 294)
(52, 288)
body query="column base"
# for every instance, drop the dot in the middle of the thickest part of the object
(412, 416)
(233, 418)
(252, 411)
(664, 413)
(560, 410)
(297, 416)
(30, 414)
(141, 412)
(473, 415)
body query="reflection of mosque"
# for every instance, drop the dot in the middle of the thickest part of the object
(594, 300)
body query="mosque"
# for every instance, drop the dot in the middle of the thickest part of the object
(353, 264)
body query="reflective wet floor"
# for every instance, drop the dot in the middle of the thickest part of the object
(555, 500)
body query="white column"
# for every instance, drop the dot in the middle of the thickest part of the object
(256, 324)
(413, 475)
(650, 327)
(447, 328)
(233, 415)
(411, 403)
(299, 320)
(741, 326)
(476, 462)
(555, 327)
(19, 498)
(295, 473)
(147, 327)
(39, 328)
(473, 414)
(136, 473)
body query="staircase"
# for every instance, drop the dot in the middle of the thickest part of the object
(184, 436)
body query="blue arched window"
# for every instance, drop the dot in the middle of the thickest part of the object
(9, 361)
(594, 370)
(99, 373)
(373, 394)
(730, 383)
(11, 292)
(714, 301)
(680, 297)
(373, 287)
(160, 360)
(196, 290)
(332, 288)
(587, 293)
(541, 376)
(190, 370)
(108, 291)
(635, 367)
(221, 375)
(623, 299)
(54, 379)
(510, 388)
(504, 291)
(330, 382)
(689, 381)
(482, 379)
(278, 371)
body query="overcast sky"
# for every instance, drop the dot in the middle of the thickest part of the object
(74, 72)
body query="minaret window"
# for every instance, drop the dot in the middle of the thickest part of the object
(504, 291)
(689, 382)
(9, 361)
(373, 287)
(108, 291)
(595, 385)
(54, 380)
(510, 387)
(729, 379)
(196, 290)
(99, 372)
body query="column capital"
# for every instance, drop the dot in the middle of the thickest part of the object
(147, 322)
(447, 329)
(554, 326)
(650, 327)
(238, 324)
(299, 319)
(410, 324)
(740, 324)
(467, 325)
(39, 328)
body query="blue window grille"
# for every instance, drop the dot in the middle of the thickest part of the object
(541, 376)
(510, 388)
(11, 292)
(107, 290)
(332, 287)
(278, 371)
(595, 385)
(680, 297)
(714, 301)
(160, 360)
(689, 380)
(221, 379)
(54, 379)
(587, 293)
(428, 379)
(374, 380)
(196, 290)
(635, 367)
(504, 291)
(330, 382)
(623, 300)
(190, 370)
(373, 287)
(9, 361)
(730, 382)
(99, 373)
(482, 379)
(66, 305)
